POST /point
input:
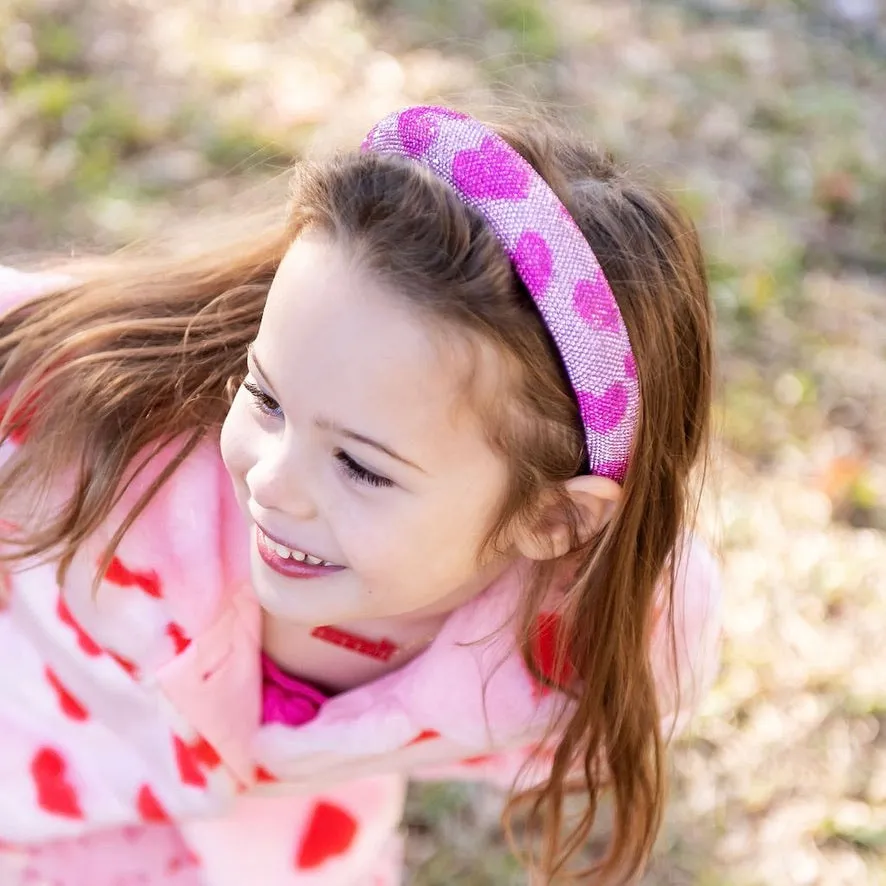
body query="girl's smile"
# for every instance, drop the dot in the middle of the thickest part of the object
(292, 562)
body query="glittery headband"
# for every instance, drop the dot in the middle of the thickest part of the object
(551, 256)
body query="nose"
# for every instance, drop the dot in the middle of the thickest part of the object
(275, 484)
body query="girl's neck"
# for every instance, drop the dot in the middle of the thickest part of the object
(347, 655)
(330, 659)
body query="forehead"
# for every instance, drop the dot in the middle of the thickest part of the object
(338, 341)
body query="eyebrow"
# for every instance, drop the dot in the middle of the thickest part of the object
(329, 425)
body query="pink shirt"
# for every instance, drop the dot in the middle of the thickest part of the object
(287, 699)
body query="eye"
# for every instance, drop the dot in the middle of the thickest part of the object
(263, 402)
(357, 472)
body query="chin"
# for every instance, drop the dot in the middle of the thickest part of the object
(300, 603)
(297, 611)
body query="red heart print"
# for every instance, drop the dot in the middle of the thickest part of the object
(492, 171)
(177, 635)
(602, 414)
(85, 642)
(262, 776)
(188, 769)
(130, 667)
(545, 649)
(22, 418)
(69, 705)
(149, 807)
(479, 760)
(594, 305)
(205, 753)
(329, 833)
(118, 574)
(424, 735)
(55, 793)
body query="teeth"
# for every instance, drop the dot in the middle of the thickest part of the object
(300, 556)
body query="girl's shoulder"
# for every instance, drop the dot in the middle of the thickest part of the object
(174, 573)
(178, 561)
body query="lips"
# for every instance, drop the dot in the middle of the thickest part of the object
(284, 549)
(285, 560)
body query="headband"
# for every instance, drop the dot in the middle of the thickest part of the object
(551, 256)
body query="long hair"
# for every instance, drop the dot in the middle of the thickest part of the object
(141, 351)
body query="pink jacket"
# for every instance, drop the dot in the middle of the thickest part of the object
(133, 716)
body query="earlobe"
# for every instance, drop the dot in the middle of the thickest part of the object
(595, 499)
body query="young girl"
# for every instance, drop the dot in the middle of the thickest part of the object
(399, 487)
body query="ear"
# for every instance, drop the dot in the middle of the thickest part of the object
(595, 499)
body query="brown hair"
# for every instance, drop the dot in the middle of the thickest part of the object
(144, 350)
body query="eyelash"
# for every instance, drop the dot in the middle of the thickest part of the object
(353, 469)
(267, 405)
(357, 472)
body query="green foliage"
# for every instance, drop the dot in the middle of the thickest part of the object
(529, 23)
(437, 801)
(58, 44)
(867, 839)
(234, 145)
(49, 96)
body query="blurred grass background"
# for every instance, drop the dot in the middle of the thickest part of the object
(768, 118)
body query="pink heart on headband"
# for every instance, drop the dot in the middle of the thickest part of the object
(615, 470)
(418, 127)
(595, 305)
(602, 414)
(533, 258)
(491, 172)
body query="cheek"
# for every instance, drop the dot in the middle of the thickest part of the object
(462, 526)
(235, 440)
(397, 545)
(378, 539)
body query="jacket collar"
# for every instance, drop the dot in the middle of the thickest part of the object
(470, 686)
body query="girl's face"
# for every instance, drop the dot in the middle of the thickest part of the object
(350, 441)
